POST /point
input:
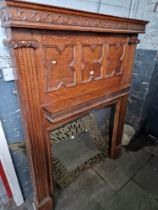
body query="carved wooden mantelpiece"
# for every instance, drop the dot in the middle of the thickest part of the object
(68, 63)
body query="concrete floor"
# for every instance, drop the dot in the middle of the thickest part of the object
(129, 183)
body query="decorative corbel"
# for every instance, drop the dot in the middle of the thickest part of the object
(21, 44)
(133, 40)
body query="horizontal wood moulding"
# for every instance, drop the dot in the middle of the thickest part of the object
(31, 15)
(74, 107)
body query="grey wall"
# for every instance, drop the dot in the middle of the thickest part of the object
(151, 105)
(143, 69)
(145, 61)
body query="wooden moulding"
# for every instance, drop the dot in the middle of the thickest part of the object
(84, 107)
(30, 15)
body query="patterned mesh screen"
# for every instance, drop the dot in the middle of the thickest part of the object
(78, 146)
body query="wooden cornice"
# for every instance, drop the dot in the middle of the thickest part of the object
(23, 14)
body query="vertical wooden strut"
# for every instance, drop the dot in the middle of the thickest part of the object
(37, 142)
(119, 119)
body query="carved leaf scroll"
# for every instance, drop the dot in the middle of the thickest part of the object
(21, 43)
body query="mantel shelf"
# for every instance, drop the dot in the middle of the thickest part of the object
(71, 108)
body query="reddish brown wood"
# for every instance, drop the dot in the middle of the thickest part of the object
(120, 113)
(68, 63)
(38, 149)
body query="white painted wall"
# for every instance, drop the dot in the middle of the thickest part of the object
(111, 7)
(150, 39)
(9, 168)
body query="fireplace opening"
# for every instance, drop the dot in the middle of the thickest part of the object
(77, 147)
(80, 145)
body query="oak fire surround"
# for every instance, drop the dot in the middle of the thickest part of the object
(68, 62)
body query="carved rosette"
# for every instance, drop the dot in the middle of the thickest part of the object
(21, 44)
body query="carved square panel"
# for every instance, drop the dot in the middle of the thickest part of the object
(91, 62)
(59, 63)
(116, 52)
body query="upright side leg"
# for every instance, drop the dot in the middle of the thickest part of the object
(119, 119)
(37, 141)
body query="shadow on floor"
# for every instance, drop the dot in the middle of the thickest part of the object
(141, 140)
